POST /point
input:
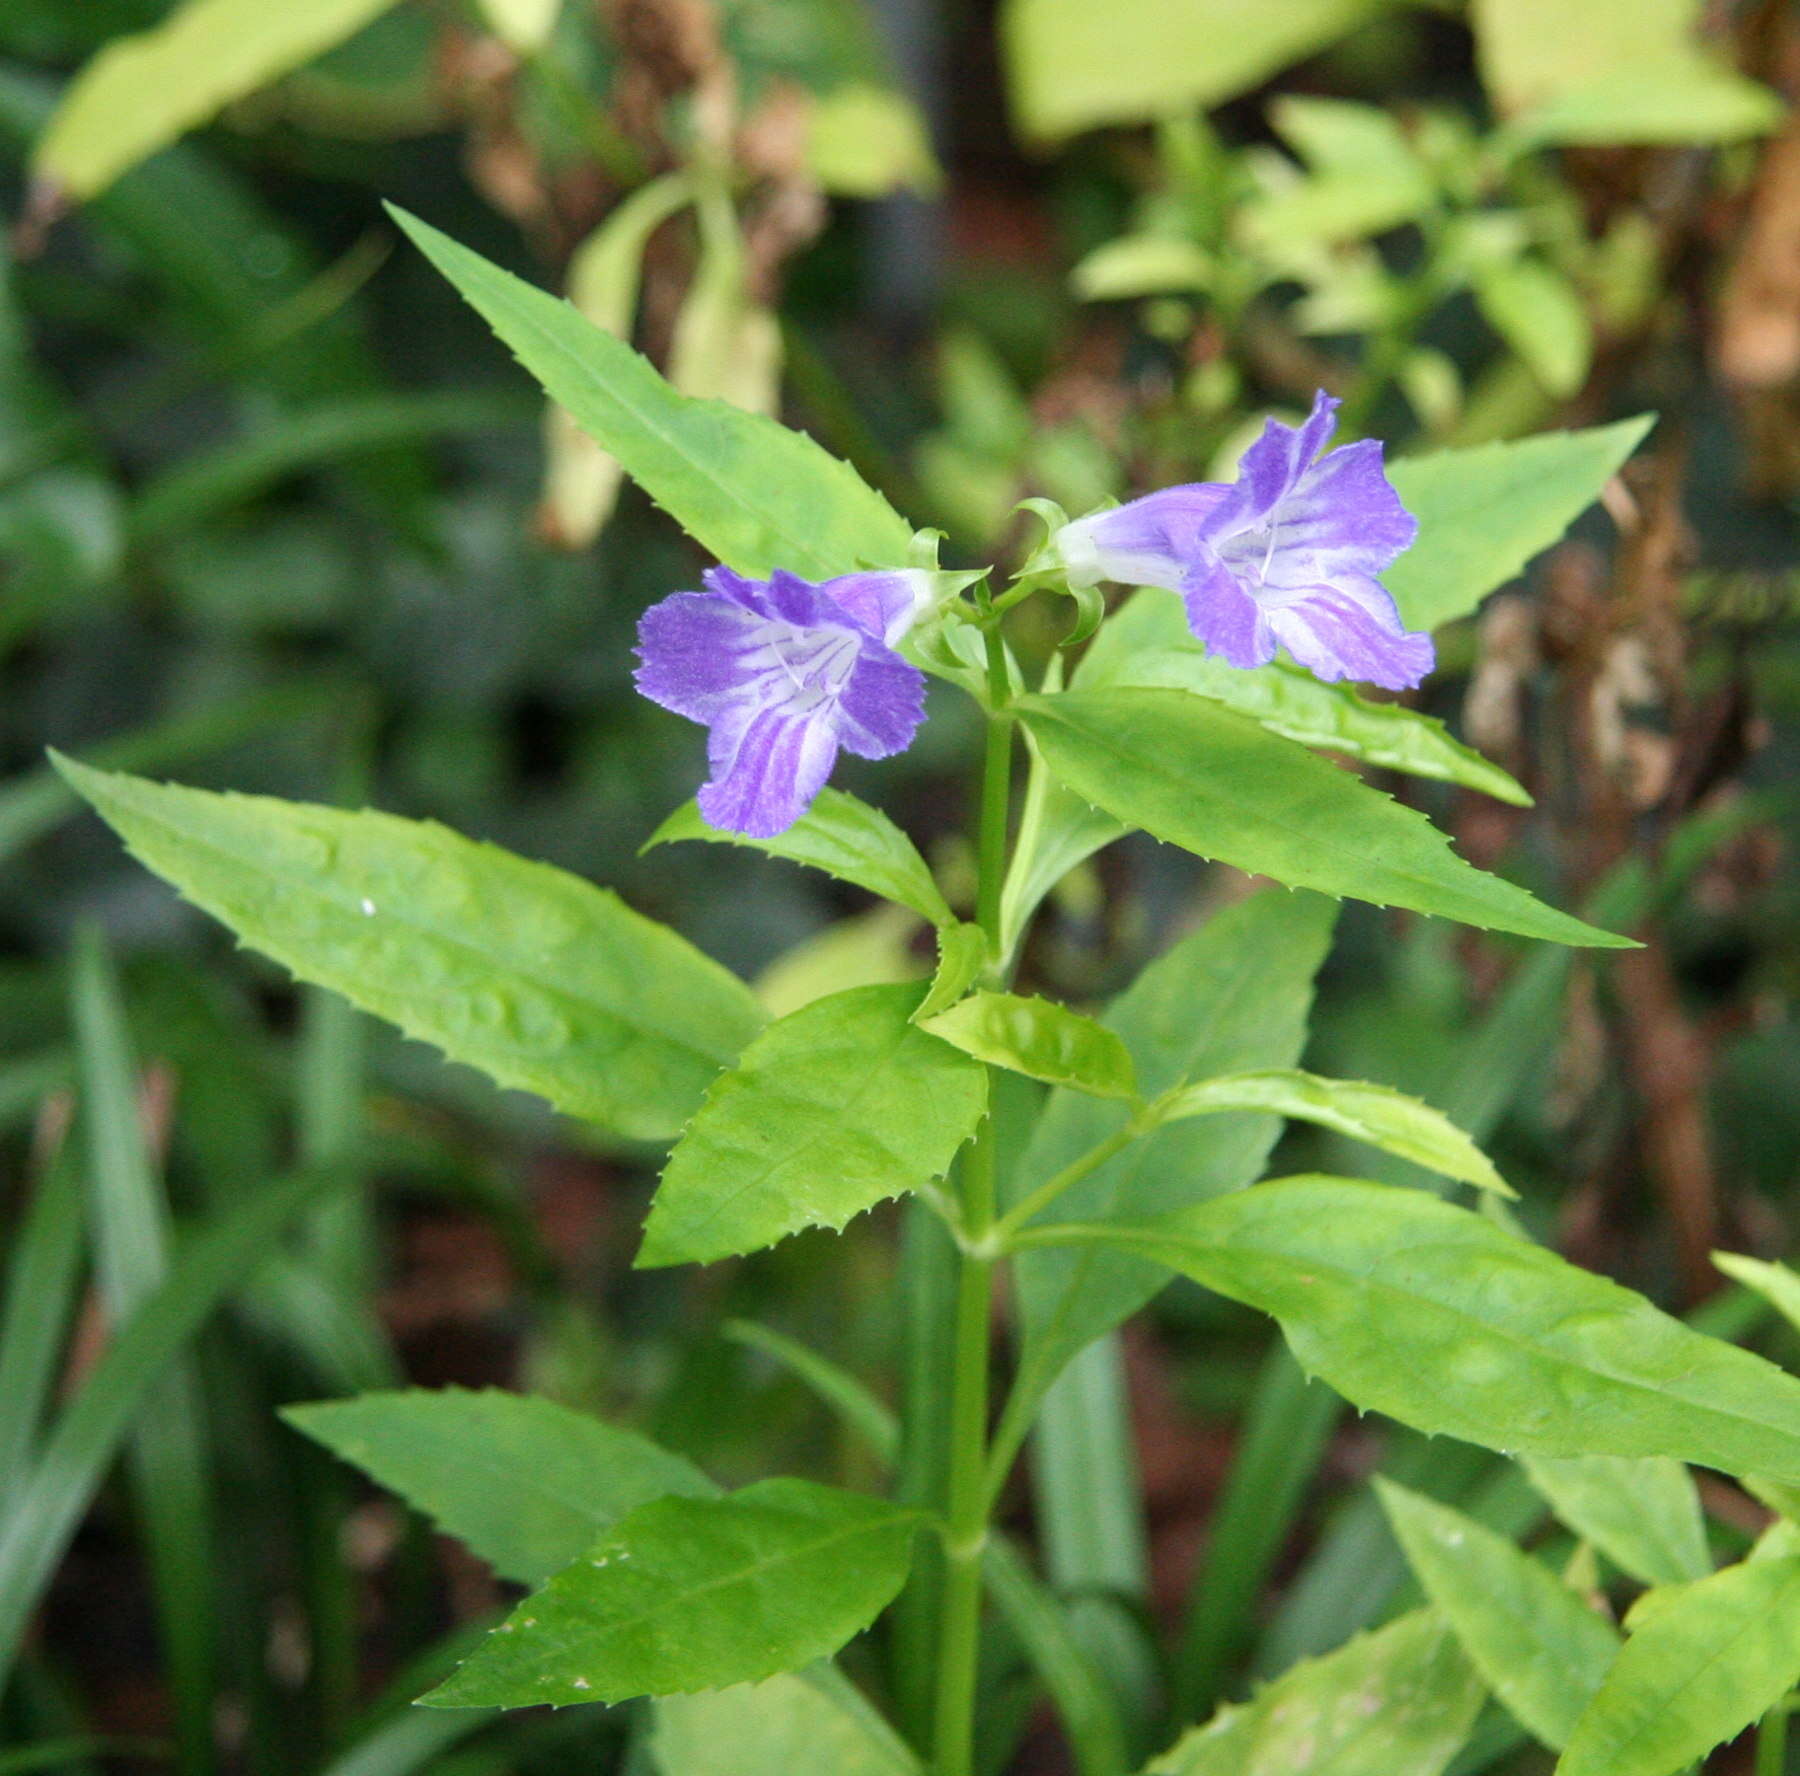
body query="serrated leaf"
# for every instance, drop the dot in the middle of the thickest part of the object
(1432, 1314)
(1201, 776)
(143, 91)
(1775, 1283)
(538, 978)
(1644, 1515)
(1398, 1702)
(1485, 511)
(962, 956)
(833, 1109)
(1700, 1664)
(526, 1483)
(1375, 1114)
(1540, 1649)
(1147, 644)
(803, 1723)
(1040, 1039)
(690, 1594)
(1236, 993)
(841, 836)
(751, 492)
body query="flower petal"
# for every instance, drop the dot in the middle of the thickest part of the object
(1147, 542)
(884, 603)
(693, 647)
(1224, 616)
(767, 765)
(1352, 630)
(882, 705)
(1269, 469)
(1341, 518)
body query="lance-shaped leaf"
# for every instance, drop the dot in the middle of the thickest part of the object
(833, 1109)
(1201, 776)
(1234, 994)
(538, 978)
(1700, 1662)
(692, 1594)
(1040, 1039)
(803, 1723)
(962, 955)
(1398, 1702)
(1376, 1114)
(1643, 1515)
(750, 491)
(1148, 645)
(1484, 512)
(526, 1483)
(1542, 1651)
(143, 91)
(844, 838)
(1775, 1283)
(1430, 1313)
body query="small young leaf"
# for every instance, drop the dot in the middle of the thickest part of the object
(1373, 1113)
(692, 1594)
(833, 1109)
(1775, 1283)
(1058, 830)
(525, 1483)
(1430, 1313)
(538, 978)
(962, 955)
(802, 1723)
(1539, 314)
(842, 836)
(143, 91)
(1700, 1663)
(1201, 776)
(1041, 1039)
(1643, 1515)
(1485, 511)
(1542, 1650)
(1398, 1702)
(745, 488)
(1147, 644)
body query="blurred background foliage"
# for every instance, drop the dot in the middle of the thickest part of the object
(276, 514)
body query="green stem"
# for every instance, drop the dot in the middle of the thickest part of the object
(966, 1507)
(1096, 1156)
(1771, 1741)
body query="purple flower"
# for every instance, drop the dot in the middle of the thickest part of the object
(784, 673)
(1286, 555)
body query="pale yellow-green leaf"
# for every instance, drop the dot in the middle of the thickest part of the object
(524, 26)
(144, 91)
(865, 950)
(803, 1723)
(1142, 265)
(864, 140)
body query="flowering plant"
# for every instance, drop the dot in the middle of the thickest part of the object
(1087, 1159)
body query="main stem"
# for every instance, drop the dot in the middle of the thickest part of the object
(966, 1508)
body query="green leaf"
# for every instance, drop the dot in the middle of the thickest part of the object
(1058, 830)
(841, 836)
(526, 1483)
(1142, 265)
(533, 975)
(1484, 512)
(1700, 1663)
(692, 1594)
(524, 26)
(43, 1272)
(803, 1723)
(850, 1399)
(1040, 1039)
(1775, 1283)
(143, 91)
(1539, 314)
(1199, 775)
(1072, 64)
(833, 1109)
(1430, 1313)
(1147, 644)
(38, 1518)
(1687, 102)
(1643, 1515)
(962, 956)
(748, 490)
(1398, 1702)
(1234, 994)
(864, 140)
(1540, 1649)
(1376, 1114)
